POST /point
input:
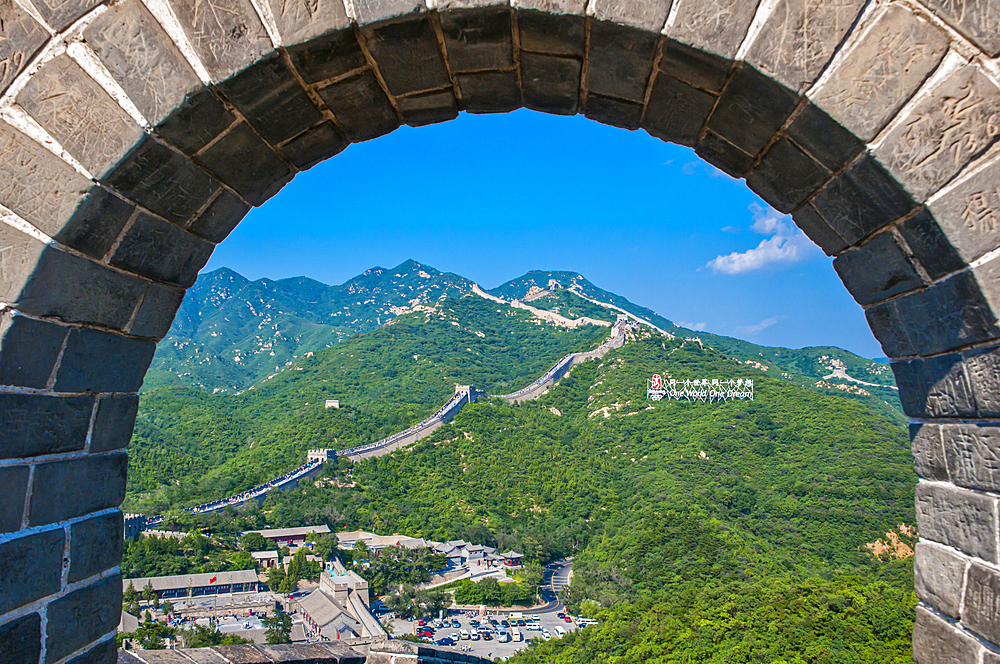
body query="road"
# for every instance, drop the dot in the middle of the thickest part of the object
(555, 578)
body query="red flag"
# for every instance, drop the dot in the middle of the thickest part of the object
(212, 580)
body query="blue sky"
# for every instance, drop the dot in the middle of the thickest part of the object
(492, 197)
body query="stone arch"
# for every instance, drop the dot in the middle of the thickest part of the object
(135, 134)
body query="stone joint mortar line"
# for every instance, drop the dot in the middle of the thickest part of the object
(27, 6)
(90, 426)
(19, 389)
(70, 326)
(51, 381)
(127, 328)
(19, 119)
(893, 229)
(49, 527)
(957, 39)
(671, 16)
(26, 512)
(515, 35)
(339, 77)
(778, 135)
(653, 74)
(106, 258)
(83, 55)
(266, 17)
(44, 630)
(764, 11)
(443, 48)
(164, 14)
(868, 17)
(76, 653)
(314, 96)
(703, 132)
(583, 94)
(363, 42)
(67, 548)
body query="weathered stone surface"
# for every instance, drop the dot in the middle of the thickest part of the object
(156, 311)
(695, 67)
(14, 479)
(958, 120)
(30, 568)
(361, 107)
(243, 654)
(976, 20)
(723, 155)
(676, 112)
(408, 55)
(981, 609)
(799, 38)
(717, 26)
(752, 108)
(935, 387)
(60, 13)
(163, 181)
(620, 60)
(142, 58)
(822, 137)
(21, 639)
(785, 176)
(96, 223)
(113, 424)
(369, 11)
(20, 38)
(489, 92)
(165, 657)
(861, 200)
(820, 232)
(79, 114)
(877, 270)
(645, 14)
(938, 576)
(309, 652)
(958, 518)
(478, 39)
(935, 641)
(196, 122)
(66, 489)
(35, 424)
(928, 451)
(203, 655)
(973, 454)
(428, 108)
(97, 361)
(983, 367)
(81, 617)
(576, 7)
(930, 246)
(542, 32)
(95, 545)
(550, 83)
(327, 57)
(28, 350)
(614, 112)
(159, 250)
(102, 653)
(272, 100)
(301, 20)
(247, 164)
(313, 146)
(227, 34)
(969, 211)
(884, 68)
(220, 217)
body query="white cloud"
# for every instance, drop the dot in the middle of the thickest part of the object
(787, 244)
(759, 327)
(697, 327)
(731, 229)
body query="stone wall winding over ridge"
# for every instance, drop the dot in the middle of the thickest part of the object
(135, 135)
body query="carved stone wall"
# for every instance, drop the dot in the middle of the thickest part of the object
(134, 135)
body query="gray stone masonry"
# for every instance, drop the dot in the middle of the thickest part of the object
(135, 135)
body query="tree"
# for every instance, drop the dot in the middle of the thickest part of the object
(148, 593)
(279, 628)
(276, 578)
(325, 547)
(168, 608)
(243, 560)
(130, 596)
(256, 542)
(204, 637)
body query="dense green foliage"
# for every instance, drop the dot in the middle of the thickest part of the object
(395, 566)
(153, 555)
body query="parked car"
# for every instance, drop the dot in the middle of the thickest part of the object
(474, 636)
(487, 637)
(455, 623)
(568, 619)
(446, 641)
(504, 624)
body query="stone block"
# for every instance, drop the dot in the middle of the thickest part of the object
(976, 20)
(30, 568)
(20, 38)
(489, 92)
(973, 454)
(272, 100)
(370, 11)
(676, 112)
(983, 368)
(550, 83)
(36, 424)
(935, 387)
(82, 617)
(823, 138)
(614, 112)
(95, 545)
(72, 107)
(427, 108)
(165, 657)
(299, 21)
(159, 250)
(877, 270)
(408, 55)
(21, 639)
(203, 655)
(113, 424)
(938, 577)
(163, 181)
(196, 122)
(648, 15)
(817, 230)
(313, 146)
(800, 36)
(307, 652)
(478, 39)
(96, 223)
(981, 609)
(786, 176)
(882, 71)
(14, 479)
(96, 361)
(697, 68)
(361, 107)
(564, 7)
(247, 164)
(344, 654)
(542, 32)
(142, 58)
(221, 216)
(958, 518)
(751, 110)
(861, 200)
(717, 26)
(619, 61)
(103, 653)
(156, 312)
(28, 350)
(969, 212)
(928, 451)
(930, 246)
(60, 13)
(243, 654)
(67, 489)
(951, 125)
(227, 35)
(936, 641)
(890, 329)
(723, 155)
(327, 57)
